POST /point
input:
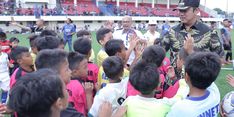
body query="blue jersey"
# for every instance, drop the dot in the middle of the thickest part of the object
(204, 106)
(68, 29)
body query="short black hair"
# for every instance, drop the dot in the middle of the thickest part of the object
(47, 42)
(101, 34)
(225, 20)
(17, 52)
(32, 40)
(49, 58)
(81, 33)
(2, 35)
(213, 22)
(34, 94)
(74, 59)
(183, 54)
(12, 39)
(61, 41)
(48, 33)
(82, 45)
(113, 46)
(144, 77)
(113, 67)
(154, 54)
(202, 68)
(70, 20)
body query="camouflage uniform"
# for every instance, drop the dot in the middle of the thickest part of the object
(205, 39)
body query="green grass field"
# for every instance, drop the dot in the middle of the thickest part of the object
(221, 82)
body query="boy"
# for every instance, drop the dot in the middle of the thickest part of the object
(4, 75)
(39, 94)
(56, 59)
(4, 43)
(155, 55)
(14, 42)
(80, 92)
(23, 57)
(182, 56)
(47, 42)
(103, 35)
(201, 70)
(145, 79)
(83, 46)
(113, 48)
(52, 33)
(32, 42)
(115, 91)
(86, 34)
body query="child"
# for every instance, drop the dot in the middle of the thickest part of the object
(86, 34)
(23, 57)
(39, 94)
(4, 43)
(4, 75)
(182, 56)
(113, 48)
(47, 42)
(115, 91)
(32, 42)
(83, 46)
(55, 59)
(145, 79)
(174, 81)
(155, 55)
(81, 92)
(103, 35)
(201, 70)
(14, 42)
(54, 34)
(166, 62)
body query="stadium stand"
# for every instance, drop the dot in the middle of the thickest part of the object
(89, 8)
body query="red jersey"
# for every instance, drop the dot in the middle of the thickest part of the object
(77, 96)
(17, 73)
(92, 73)
(5, 46)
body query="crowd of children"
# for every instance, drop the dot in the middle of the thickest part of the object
(46, 81)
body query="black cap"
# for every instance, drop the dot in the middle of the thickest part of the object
(185, 4)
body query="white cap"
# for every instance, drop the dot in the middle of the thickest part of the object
(152, 22)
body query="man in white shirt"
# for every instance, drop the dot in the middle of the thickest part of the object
(126, 33)
(151, 35)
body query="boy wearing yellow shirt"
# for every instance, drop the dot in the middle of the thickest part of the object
(115, 47)
(103, 35)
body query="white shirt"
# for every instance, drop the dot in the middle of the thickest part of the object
(151, 37)
(125, 37)
(113, 93)
(204, 106)
(4, 70)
